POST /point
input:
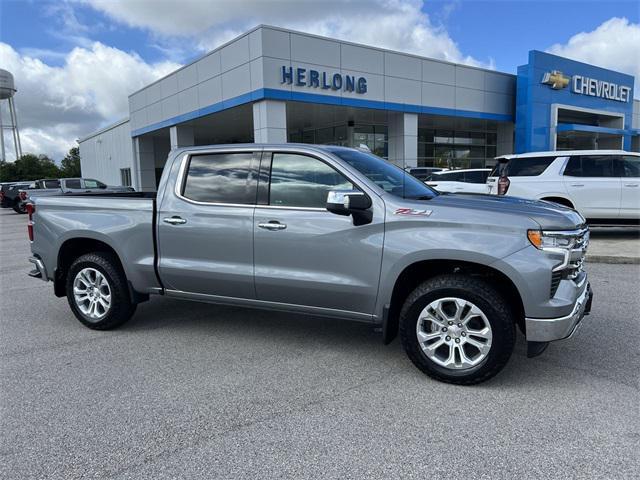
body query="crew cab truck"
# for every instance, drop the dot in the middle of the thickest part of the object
(325, 230)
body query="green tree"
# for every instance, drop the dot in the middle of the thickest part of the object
(29, 167)
(70, 165)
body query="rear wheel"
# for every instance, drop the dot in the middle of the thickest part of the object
(19, 206)
(97, 291)
(457, 329)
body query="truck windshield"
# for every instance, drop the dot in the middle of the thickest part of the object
(390, 178)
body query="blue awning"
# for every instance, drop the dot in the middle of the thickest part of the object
(576, 127)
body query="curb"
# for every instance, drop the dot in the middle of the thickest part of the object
(613, 259)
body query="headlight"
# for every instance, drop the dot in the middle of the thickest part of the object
(547, 240)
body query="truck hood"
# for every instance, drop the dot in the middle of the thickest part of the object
(548, 215)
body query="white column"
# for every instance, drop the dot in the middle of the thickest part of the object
(504, 145)
(270, 121)
(181, 136)
(145, 159)
(403, 139)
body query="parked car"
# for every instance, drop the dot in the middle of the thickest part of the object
(324, 230)
(48, 187)
(472, 180)
(11, 197)
(5, 201)
(603, 185)
(422, 173)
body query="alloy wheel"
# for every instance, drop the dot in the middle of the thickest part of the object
(454, 333)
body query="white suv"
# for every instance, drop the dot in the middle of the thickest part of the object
(470, 180)
(603, 185)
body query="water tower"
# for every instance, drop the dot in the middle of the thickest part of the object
(7, 90)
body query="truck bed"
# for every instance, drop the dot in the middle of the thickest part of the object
(124, 221)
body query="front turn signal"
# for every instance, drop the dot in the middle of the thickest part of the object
(535, 237)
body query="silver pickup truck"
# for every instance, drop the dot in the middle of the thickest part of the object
(330, 231)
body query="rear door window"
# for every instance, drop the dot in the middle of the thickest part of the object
(475, 177)
(449, 177)
(73, 184)
(631, 166)
(51, 184)
(594, 166)
(222, 178)
(522, 167)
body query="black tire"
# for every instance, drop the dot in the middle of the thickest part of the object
(121, 308)
(19, 207)
(487, 299)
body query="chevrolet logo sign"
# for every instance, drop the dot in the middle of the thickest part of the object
(555, 79)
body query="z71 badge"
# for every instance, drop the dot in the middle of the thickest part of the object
(412, 211)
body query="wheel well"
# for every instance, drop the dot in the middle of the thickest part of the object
(418, 272)
(560, 200)
(72, 249)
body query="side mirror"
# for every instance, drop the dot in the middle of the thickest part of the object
(350, 202)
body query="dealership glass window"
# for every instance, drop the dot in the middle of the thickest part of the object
(221, 178)
(125, 177)
(455, 143)
(375, 137)
(303, 181)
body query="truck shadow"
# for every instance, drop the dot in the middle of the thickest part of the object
(294, 334)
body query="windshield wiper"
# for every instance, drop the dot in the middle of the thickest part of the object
(421, 197)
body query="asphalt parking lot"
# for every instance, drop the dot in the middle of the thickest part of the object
(190, 390)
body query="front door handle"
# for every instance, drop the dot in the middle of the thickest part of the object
(175, 220)
(577, 184)
(272, 225)
(631, 184)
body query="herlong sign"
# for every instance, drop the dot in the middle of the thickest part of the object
(301, 77)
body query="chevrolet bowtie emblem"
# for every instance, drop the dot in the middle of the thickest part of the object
(555, 79)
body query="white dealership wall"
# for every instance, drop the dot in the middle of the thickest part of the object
(105, 152)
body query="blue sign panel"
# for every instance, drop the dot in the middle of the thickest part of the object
(301, 77)
(549, 80)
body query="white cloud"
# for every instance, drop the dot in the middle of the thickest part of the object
(394, 24)
(57, 104)
(615, 44)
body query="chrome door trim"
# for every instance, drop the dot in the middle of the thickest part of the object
(283, 207)
(266, 305)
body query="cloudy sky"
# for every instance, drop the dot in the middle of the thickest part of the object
(75, 61)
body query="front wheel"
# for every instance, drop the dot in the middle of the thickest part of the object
(97, 291)
(457, 329)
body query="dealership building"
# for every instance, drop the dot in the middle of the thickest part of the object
(273, 85)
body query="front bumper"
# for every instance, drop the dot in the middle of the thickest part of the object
(550, 329)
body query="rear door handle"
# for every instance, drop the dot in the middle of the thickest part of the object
(175, 220)
(272, 225)
(577, 184)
